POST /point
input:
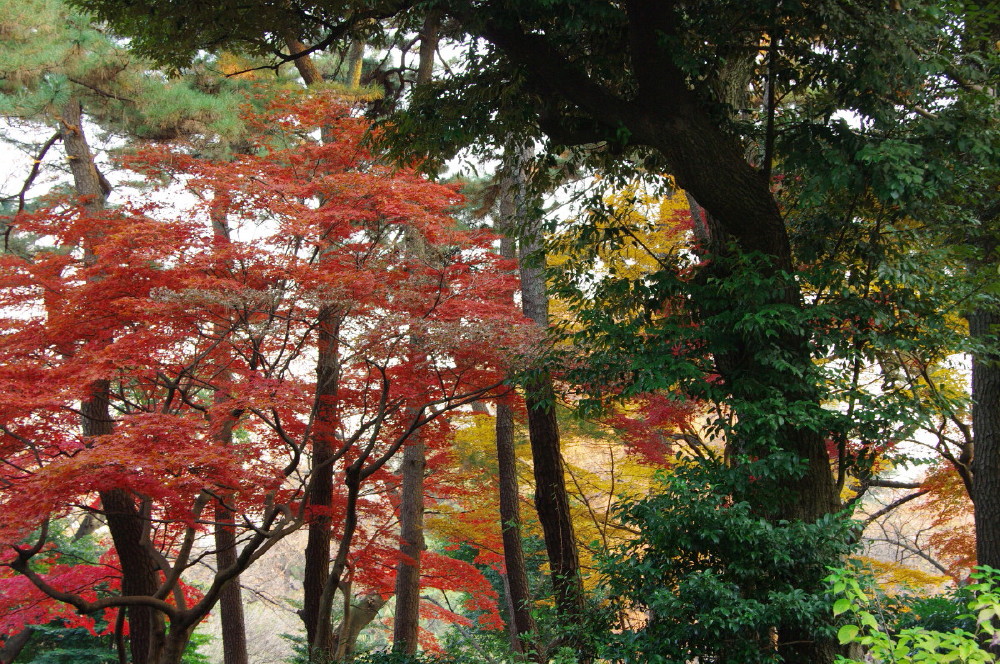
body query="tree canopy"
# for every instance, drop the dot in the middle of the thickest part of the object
(785, 239)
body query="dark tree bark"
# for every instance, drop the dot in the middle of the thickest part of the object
(127, 515)
(13, 645)
(319, 633)
(315, 608)
(551, 498)
(522, 626)
(709, 163)
(234, 634)
(984, 327)
(129, 526)
(406, 623)
(522, 622)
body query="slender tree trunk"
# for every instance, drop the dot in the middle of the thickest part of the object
(128, 525)
(234, 634)
(522, 622)
(551, 498)
(315, 611)
(406, 625)
(319, 632)
(522, 625)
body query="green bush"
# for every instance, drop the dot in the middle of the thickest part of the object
(715, 580)
(930, 631)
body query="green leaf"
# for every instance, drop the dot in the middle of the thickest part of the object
(841, 605)
(847, 633)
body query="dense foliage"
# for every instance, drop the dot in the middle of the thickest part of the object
(781, 239)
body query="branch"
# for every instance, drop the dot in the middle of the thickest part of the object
(892, 484)
(335, 34)
(550, 70)
(20, 196)
(103, 93)
(21, 566)
(891, 506)
(914, 550)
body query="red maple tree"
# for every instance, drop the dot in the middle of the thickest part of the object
(186, 332)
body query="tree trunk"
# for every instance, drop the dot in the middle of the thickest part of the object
(406, 625)
(319, 632)
(128, 525)
(551, 498)
(129, 528)
(522, 622)
(355, 62)
(234, 634)
(355, 620)
(174, 646)
(14, 644)
(315, 607)
(983, 326)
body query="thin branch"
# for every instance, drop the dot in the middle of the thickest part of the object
(103, 93)
(913, 550)
(20, 196)
(893, 505)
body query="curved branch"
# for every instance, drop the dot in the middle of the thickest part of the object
(891, 506)
(20, 565)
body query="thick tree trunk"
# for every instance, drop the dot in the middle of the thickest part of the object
(13, 645)
(356, 619)
(129, 528)
(708, 162)
(355, 63)
(983, 326)
(307, 68)
(174, 646)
